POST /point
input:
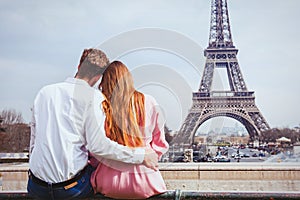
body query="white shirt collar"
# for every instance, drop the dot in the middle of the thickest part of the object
(77, 81)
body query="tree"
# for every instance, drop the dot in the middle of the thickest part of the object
(272, 134)
(168, 135)
(1, 128)
(11, 116)
(14, 133)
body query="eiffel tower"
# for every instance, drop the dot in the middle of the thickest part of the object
(237, 103)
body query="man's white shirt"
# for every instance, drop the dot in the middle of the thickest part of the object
(67, 122)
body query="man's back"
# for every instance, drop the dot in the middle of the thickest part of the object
(59, 145)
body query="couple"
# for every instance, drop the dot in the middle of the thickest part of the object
(84, 141)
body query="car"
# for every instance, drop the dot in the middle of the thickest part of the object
(197, 159)
(221, 159)
(261, 155)
(224, 159)
(179, 159)
(205, 159)
(246, 155)
(254, 155)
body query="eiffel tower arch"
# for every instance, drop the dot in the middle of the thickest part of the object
(237, 102)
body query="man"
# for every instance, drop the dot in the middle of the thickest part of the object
(67, 124)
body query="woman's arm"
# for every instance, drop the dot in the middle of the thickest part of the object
(158, 143)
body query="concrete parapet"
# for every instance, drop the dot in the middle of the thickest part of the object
(184, 195)
(210, 177)
(232, 176)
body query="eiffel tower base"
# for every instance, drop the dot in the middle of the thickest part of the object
(239, 106)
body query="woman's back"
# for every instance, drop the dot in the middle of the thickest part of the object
(135, 120)
(120, 180)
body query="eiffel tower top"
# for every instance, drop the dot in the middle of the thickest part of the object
(220, 34)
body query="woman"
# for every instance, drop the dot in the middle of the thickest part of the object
(132, 119)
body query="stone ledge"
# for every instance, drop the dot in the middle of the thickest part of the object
(193, 195)
(229, 166)
(208, 177)
(20, 167)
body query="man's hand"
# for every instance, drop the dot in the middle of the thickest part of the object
(151, 159)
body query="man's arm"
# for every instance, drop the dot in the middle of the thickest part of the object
(101, 146)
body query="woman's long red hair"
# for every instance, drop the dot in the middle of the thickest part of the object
(124, 106)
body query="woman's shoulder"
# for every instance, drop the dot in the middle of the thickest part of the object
(151, 106)
(150, 100)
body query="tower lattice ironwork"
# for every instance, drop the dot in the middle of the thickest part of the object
(237, 103)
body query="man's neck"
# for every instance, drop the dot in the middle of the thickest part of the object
(84, 79)
(91, 81)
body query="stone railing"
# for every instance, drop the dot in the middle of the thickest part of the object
(184, 195)
(196, 181)
(232, 176)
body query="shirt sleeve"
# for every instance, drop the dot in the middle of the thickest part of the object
(158, 143)
(100, 145)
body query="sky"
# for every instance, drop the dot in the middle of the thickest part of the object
(161, 42)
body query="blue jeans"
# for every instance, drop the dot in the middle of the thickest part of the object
(83, 189)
